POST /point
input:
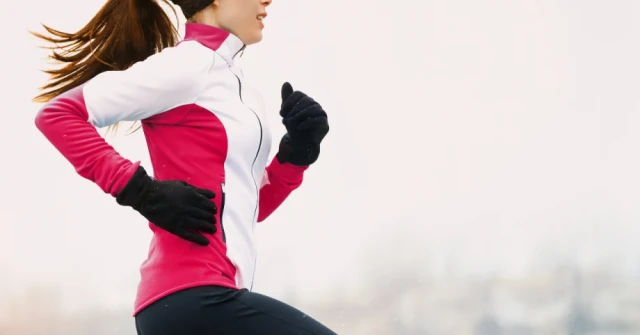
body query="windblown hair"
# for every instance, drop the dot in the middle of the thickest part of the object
(122, 33)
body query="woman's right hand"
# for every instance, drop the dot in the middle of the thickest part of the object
(175, 206)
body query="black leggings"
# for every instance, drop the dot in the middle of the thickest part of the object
(213, 310)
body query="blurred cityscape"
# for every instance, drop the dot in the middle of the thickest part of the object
(564, 300)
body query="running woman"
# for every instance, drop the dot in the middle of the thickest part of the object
(209, 147)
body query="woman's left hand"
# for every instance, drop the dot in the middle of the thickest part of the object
(306, 124)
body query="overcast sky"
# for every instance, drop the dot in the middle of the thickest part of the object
(484, 137)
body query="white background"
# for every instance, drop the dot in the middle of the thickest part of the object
(475, 138)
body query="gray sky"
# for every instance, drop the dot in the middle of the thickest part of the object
(481, 137)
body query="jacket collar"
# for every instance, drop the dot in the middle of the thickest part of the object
(227, 45)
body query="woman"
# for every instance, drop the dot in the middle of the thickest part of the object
(208, 146)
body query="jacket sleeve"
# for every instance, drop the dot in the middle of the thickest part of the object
(278, 182)
(163, 81)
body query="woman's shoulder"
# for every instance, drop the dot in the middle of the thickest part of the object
(187, 57)
(172, 77)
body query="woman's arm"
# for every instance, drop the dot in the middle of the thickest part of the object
(280, 179)
(307, 125)
(162, 82)
(64, 122)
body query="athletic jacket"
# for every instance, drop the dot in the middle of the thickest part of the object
(202, 126)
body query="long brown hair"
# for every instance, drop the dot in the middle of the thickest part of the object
(122, 33)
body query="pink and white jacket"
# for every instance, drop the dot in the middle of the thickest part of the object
(202, 126)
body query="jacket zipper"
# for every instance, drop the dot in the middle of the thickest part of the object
(252, 164)
(224, 236)
(259, 146)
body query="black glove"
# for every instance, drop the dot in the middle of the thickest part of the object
(306, 124)
(172, 205)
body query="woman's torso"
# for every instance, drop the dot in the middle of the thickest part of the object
(219, 141)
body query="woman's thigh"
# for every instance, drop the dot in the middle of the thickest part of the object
(211, 310)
